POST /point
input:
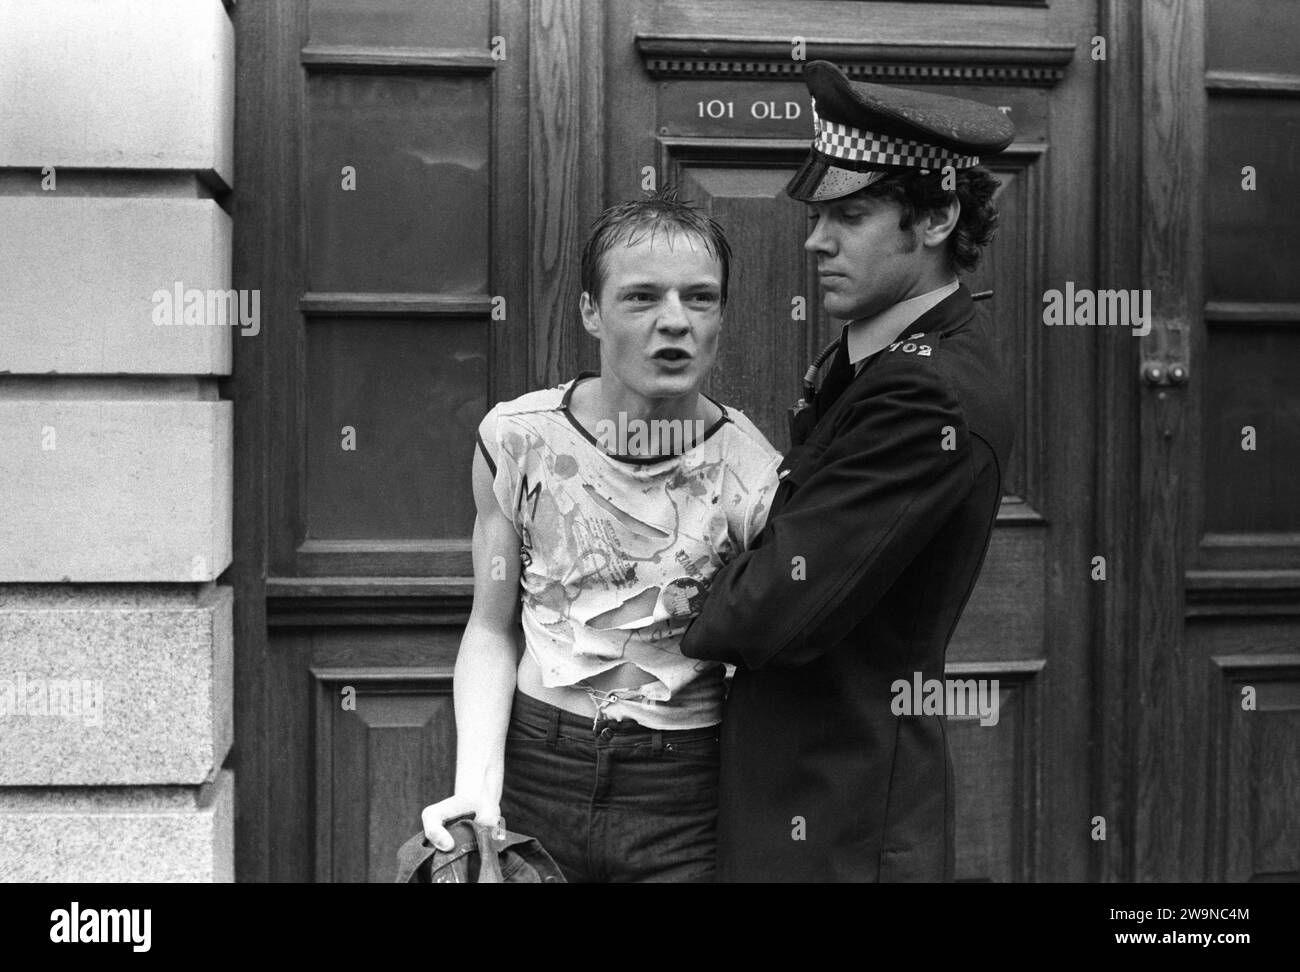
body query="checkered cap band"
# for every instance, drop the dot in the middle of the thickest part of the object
(859, 145)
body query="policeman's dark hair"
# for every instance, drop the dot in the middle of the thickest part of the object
(628, 223)
(920, 194)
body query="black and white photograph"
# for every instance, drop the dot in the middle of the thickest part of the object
(651, 441)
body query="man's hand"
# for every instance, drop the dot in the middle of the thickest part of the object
(456, 805)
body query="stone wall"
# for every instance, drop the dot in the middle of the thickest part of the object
(116, 154)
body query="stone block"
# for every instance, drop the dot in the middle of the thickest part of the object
(115, 490)
(173, 834)
(141, 84)
(114, 685)
(88, 278)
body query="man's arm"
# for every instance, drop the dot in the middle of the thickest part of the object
(486, 664)
(880, 493)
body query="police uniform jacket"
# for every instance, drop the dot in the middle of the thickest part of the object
(875, 538)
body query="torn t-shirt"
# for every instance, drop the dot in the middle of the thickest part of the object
(617, 551)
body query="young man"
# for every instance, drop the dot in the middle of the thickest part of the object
(883, 517)
(605, 505)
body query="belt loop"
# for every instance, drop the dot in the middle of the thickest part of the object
(553, 729)
(656, 742)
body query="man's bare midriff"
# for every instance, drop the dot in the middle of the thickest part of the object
(570, 698)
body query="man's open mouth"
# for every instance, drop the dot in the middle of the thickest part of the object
(672, 354)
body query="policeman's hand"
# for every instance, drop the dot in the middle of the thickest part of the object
(456, 805)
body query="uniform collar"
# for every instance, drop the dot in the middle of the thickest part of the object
(868, 335)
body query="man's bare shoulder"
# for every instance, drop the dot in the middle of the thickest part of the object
(542, 400)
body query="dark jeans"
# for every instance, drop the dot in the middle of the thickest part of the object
(618, 803)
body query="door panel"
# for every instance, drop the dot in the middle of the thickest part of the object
(419, 149)
(744, 192)
(374, 762)
(366, 494)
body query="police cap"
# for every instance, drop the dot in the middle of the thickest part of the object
(865, 131)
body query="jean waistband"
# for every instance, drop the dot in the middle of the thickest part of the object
(543, 715)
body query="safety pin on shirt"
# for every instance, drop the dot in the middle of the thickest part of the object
(609, 697)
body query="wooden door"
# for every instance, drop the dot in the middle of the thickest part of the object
(709, 95)
(382, 210)
(1215, 678)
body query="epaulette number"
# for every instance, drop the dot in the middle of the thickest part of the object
(910, 347)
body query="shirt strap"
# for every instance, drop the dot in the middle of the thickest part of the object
(483, 448)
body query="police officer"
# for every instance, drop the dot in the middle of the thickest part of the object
(883, 517)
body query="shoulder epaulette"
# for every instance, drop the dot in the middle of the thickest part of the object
(919, 343)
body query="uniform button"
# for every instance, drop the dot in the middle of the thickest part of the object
(607, 734)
